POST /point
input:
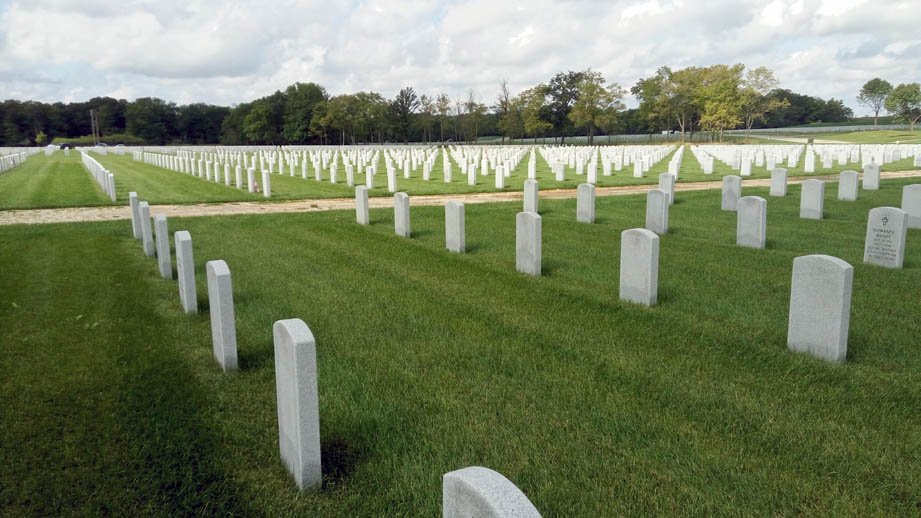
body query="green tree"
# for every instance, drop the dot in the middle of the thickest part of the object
(41, 138)
(718, 94)
(443, 107)
(403, 106)
(561, 93)
(265, 121)
(533, 103)
(300, 99)
(754, 98)
(426, 116)
(596, 105)
(151, 119)
(873, 95)
(905, 102)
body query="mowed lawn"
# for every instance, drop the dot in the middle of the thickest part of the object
(430, 362)
(875, 137)
(45, 182)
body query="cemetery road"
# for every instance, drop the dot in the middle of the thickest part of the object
(90, 214)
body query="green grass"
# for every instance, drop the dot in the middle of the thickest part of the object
(45, 182)
(874, 137)
(430, 362)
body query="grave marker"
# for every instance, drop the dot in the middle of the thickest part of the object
(223, 321)
(657, 211)
(401, 214)
(528, 243)
(163, 254)
(871, 177)
(732, 191)
(483, 493)
(135, 214)
(297, 397)
(530, 195)
(455, 238)
(639, 266)
(847, 186)
(146, 232)
(585, 203)
(751, 222)
(812, 199)
(361, 205)
(820, 306)
(911, 204)
(779, 182)
(185, 268)
(887, 228)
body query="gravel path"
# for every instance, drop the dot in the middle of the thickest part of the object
(84, 214)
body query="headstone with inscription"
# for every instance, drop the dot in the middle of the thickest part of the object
(887, 228)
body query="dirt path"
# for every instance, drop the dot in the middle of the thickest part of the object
(83, 214)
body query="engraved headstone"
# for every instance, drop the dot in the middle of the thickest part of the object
(887, 228)
(297, 397)
(820, 306)
(223, 320)
(639, 266)
(530, 195)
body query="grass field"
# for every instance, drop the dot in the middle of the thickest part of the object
(430, 362)
(875, 137)
(42, 182)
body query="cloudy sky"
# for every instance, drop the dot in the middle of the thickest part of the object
(231, 51)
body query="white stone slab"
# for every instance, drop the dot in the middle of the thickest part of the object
(483, 493)
(164, 261)
(847, 185)
(639, 266)
(146, 232)
(871, 177)
(455, 232)
(911, 204)
(185, 269)
(135, 215)
(297, 397)
(732, 191)
(657, 211)
(751, 222)
(531, 200)
(223, 320)
(585, 203)
(528, 243)
(820, 306)
(887, 228)
(812, 199)
(362, 216)
(667, 184)
(779, 182)
(401, 224)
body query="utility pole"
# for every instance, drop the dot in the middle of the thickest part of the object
(94, 123)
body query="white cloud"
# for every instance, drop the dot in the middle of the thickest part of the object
(227, 52)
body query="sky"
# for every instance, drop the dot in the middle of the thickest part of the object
(231, 51)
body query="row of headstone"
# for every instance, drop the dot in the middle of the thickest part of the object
(156, 243)
(103, 177)
(11, 158)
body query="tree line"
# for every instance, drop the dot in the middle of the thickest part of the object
(573, 103)
(903, 101)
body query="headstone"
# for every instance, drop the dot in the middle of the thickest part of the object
(585, 203)
(639, 266)
(871, 177)
(887, 228)
(483, 493)
(185, 270)
(455, 237)
(751, 222)
(297, 397)
(779, 182)
(223, 321)
(820, 306)
(657, 211)
(163, 254)
(361, 205)
(667, 184)
(530, 195)
(401, 214)
(528, 243)
(812, 199)
(135, 214)
(266, 184)
(847, 186)
(146, 231)
(732, 191)
(911, 204)
(251, 179)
